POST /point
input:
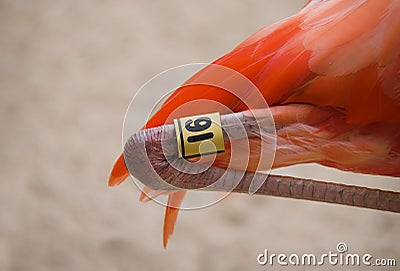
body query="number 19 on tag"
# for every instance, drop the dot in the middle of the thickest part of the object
(199, 135)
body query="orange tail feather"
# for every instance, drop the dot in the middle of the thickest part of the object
(119, 172)
(171, 214)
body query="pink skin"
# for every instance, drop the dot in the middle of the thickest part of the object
(304, 134)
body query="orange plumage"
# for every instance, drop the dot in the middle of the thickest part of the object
(339, 58)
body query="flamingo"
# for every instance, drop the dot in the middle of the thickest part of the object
(331, 76)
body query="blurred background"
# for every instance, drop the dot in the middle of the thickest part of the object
(68, 70)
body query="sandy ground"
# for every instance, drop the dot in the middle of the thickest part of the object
(68, 70)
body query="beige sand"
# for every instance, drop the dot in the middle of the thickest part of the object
(67, 72)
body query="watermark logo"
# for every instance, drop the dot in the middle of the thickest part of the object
(340, 257)
(341, 247)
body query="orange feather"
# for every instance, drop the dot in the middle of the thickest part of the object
(342, 54)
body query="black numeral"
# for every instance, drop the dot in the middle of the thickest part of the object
(200, 124)
(196, 138)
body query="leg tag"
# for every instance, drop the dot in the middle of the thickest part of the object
(199, 135)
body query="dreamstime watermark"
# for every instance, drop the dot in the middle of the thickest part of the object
(340, 257)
